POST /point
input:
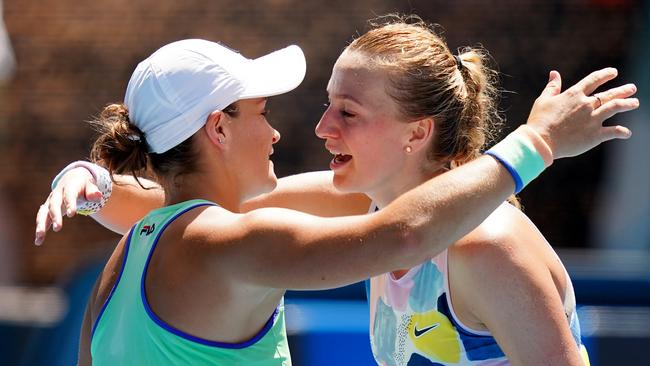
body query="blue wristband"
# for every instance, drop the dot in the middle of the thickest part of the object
(519, 184)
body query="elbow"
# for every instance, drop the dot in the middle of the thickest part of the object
(412, 245)
(402, 239)
(420, 242)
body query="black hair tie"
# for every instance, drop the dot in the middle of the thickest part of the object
(459, 62)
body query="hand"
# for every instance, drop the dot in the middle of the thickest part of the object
(78, 183)
(571, 122)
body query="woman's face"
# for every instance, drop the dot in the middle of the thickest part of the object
(254, 138)
(363, 129)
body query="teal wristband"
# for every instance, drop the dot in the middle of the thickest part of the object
(519, 155)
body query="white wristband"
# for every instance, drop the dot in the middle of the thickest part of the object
(102, 180)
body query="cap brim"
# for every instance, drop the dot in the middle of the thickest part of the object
(273, 74)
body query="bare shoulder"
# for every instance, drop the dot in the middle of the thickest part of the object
(209, 225)
(496, 230)
(502, 251)
(196, 236)
(507, 239)
(504, 274)
(227, 233)
(199, 246)
(510, 256)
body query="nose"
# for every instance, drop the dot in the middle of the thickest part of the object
(326, 126)
(276, 136)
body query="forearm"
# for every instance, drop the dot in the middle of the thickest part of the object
(129, 202)
(287, 249)
(312, 193)
(442, 210)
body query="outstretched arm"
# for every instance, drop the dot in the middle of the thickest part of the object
(280, 248)
(570, 123)
(128, 203)
(311, 193)
(288, 249)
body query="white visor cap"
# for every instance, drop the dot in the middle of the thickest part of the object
(171, 93)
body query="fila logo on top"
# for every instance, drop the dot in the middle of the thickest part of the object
(148, 229)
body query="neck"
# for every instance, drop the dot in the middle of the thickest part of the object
(384, 196)
(204, 186)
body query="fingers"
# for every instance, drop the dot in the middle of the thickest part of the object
(71, 193)
(69, 202)
(43, 223)
(615, 106)
(54, 209)
(594, 80)
(615, 132)
(597, 101)
(92, 193)
(554, 85)
(75, 184)
(620, 92)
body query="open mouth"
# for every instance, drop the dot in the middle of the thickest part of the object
(340, 160)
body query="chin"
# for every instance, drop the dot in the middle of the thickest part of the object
(261, 189)
(270, 182)
(345, 185)
(272, 178)
(273, 182)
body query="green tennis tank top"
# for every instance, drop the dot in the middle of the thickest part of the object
(127, 332)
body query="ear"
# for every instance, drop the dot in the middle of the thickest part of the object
(420, 133)
(215, 127)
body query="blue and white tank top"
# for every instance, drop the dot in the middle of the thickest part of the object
(412, 321)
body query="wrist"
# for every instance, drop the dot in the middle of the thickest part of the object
(524, 153)
(91, 168)
(540, 135)
(102, 180)
(539, 143)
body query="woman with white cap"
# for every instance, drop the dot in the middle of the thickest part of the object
(200, 282)
(191, 302)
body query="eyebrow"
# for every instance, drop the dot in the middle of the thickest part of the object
(347, 96)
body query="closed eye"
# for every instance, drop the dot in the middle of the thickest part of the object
(347, 114)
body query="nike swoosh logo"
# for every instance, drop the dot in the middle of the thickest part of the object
(419, 332)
